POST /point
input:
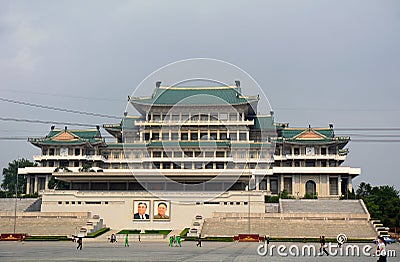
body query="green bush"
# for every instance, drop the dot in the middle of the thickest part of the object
(34, 195)
(129, 231)
(137, 231)
(310, 196)
(219, 239)
(47, 238)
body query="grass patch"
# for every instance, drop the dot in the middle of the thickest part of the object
(98, 232)
(47, 238)
(184, 232)
(218, 239)
(129, 231)
(150, 232)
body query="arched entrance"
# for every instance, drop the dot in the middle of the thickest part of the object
(311, 187)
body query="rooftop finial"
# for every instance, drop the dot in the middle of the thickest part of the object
(65, 128)
(158, 84)
(237, 83)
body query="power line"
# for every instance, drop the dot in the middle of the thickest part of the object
(45, 122)
(57, 108)
(64, 95)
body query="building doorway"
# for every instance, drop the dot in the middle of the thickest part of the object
(311, 187)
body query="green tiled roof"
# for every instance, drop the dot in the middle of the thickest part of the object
(87, 134)
(120, 145)
(195, 95)
(294, 136)
(293, 132)
(264, 122)
(90, 137)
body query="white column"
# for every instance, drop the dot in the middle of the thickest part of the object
(46, 185)
(268, 184)
(257, 183)
(339, 185)
(293, 185)
(350, 184)
(282, 184)
(35, 187)
(28, 184)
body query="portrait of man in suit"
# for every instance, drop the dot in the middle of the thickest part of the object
(142, 212)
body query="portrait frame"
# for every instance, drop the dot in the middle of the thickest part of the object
(157, 216)
(136, 216)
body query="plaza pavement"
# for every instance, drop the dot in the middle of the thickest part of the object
(154, 251)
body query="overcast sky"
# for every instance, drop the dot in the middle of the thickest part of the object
(318, 62)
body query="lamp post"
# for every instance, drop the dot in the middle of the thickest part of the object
(250, 186)
(16, 198)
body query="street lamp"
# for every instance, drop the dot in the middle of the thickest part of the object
(251, 186)
(16, 198)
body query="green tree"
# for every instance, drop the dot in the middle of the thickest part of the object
(10, 176)
(382, 202)
(57, 184)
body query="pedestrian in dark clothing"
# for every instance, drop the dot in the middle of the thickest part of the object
(199, 241)
(322, 248)
(79, 243)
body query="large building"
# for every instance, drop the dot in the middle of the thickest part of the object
(207, 146)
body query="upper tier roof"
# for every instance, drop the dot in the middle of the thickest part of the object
(221, 95)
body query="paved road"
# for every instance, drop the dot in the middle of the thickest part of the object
(155, 251)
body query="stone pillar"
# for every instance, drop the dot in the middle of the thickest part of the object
(293, 185)
(46, 183)
(35, 187)
(282, 184)
(350, 184)
(28, 184)
(257, 180)
(339, 185)
(268, 184)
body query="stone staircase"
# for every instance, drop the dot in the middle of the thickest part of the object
(43, 223)
(8, 204)
(291, 218)
(35, 206)
(322, 206)
(295, 228)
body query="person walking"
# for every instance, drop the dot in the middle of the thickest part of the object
(322, 248)
(79, 243)
(199, 241)
(139, 238)
(381, 250)
(126, 240)
(178, 240)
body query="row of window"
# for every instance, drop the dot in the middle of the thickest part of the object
(179, 117)
(194, 136)
(306, 163)
(85, 202)
(305, 150)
